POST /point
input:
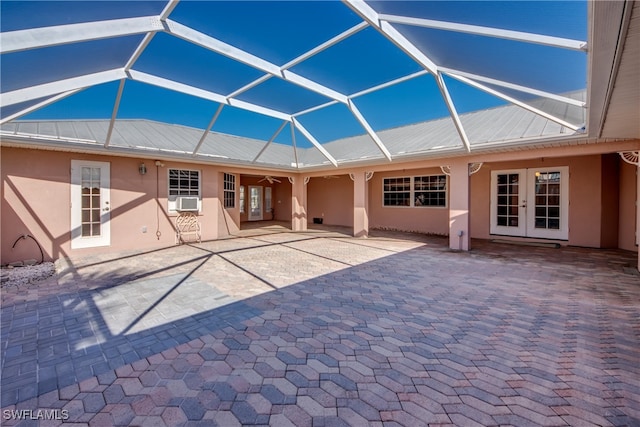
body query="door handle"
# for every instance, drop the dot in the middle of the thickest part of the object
(106, 209)
(524, 204)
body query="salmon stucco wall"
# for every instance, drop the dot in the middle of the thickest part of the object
(282, 201)
(430, 220)
(627, 207)
(610, 194)
(585, 196)
(331, 199)
(36, 202)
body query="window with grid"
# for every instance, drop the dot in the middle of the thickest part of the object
(184, 182)
(229, 190)
(397, 191)
(91, 202)
(430, 190)
(508, 202)
(547, 214)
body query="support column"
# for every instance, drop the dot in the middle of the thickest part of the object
(212, 205)
(459, 206)
(360, 204)
(298, 204)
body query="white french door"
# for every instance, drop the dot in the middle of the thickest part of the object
(255, 203)
(530, 202)
(90, 204)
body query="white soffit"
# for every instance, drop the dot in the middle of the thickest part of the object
(622, 119)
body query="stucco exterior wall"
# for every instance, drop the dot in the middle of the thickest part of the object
(627, 207)
(610, 194)
(432, 220)
(36, 201)
(282, 201)
(331, 199)
(585, 196)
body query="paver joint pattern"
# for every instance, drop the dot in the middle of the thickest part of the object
(319, 329)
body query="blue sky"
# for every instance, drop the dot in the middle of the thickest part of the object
(279, 32)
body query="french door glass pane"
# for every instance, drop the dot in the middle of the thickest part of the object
(508, 200)
(547, 208)
(91, 203)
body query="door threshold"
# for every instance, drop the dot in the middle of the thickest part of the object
(520, 243)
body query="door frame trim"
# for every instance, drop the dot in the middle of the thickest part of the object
(77, 241)
(529, 230)
(521, 230)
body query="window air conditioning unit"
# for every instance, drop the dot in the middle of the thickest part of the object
(187, 204)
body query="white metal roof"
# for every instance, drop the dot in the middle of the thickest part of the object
(500, 124)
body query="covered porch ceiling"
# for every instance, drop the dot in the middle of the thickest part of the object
(304, 84)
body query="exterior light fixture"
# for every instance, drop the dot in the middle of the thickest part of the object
(142, 169)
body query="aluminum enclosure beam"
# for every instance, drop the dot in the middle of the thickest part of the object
(303, 57)
(206, 131)
(326, 45)
(33, 38)
(310, 137)
(293, 143)
(275, 135)
(374, 136)
(54, 88)
(389, 83)
(488, 32)
(452, 73)
(453, 112)
(37, 106)
(218, 46)
(114, 113)
(367, 13)
(392, 34)
(517, 102)
(204, 94)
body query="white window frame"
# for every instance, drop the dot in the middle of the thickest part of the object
(228, 191)
(171, 198)
(268, 196)
(385, 192)
(412, 192)
(242, 199)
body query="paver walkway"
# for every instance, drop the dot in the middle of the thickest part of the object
(320, 329)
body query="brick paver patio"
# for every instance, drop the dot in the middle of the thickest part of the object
(320, 329)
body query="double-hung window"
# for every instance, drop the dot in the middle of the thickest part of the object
(397, 191)
(183, 183)
(417, 191)
(229, 190)
(430, 190)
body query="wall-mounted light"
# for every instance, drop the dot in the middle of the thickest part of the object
(142, 169)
